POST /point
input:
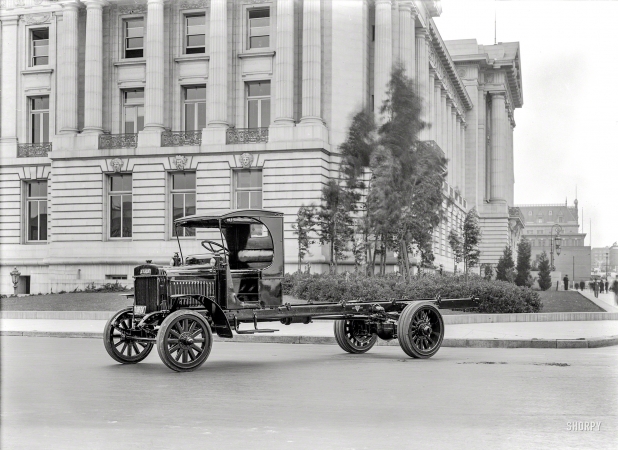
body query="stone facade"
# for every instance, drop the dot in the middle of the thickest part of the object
(95, 90)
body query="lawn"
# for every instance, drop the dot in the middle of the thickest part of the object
(567, 301)
(553, 301)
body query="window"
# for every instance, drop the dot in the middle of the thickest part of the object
(539, 231)
(560, 218)
(550, 212)
(39, 119)
(195, 108)
(39, 47)
(259, 28)
(183, 200)
(195, 34)
(529, 213)
(133, 110)
(248, 189)
(36, 200)
(115, 277)
(539, 220)
(120, 205)
(134, 37)
(258, 104)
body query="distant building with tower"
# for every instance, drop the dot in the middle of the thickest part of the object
(604, 258)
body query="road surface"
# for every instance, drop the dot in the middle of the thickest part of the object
(69, 394)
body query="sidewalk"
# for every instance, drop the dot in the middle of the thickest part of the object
(605, 301)
(565, 334)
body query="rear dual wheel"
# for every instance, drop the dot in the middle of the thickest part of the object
(354, 336)
(184, 341)
(118, 342)
(420, 330)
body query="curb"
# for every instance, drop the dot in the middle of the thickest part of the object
(459, 319)
(606, 341)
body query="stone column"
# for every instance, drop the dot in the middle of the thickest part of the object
(444, 114)
(67, 70)
(383, 55)
(155, 67)
(438, 107)
(511, 154)
(449, 143)
(432, 108)
(8, 71)
(462, 141)
(93, 80)
(458, 151)
(422, 75)
(284, 64)
(216, 97)
(312, 62)
(395, 29)
(498, 151)
(407, 47)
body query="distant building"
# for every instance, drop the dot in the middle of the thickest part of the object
(542, 224)
(604, 257)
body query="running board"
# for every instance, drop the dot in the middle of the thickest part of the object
(255, 331)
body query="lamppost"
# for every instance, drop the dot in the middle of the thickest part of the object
(606, 265)
(15, 279)
(555, 241)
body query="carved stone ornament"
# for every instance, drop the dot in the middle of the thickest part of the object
(132, 9)
(20, 2)
(2, 4)
(461, 72)
(116, 164)
(246, 159)
(196, 4)
(489, 78)
(36, 19)
(181, 162)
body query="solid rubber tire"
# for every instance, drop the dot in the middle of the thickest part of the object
(109, 346)
(344, 342)
(162, 348)
(403, 326)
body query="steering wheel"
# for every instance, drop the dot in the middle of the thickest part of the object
(215, 247)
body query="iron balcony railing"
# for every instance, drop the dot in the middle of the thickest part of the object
(180, 138)
(110, 141)
(246, 135)
(31, 150)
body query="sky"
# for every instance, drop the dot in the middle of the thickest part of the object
(567, 130)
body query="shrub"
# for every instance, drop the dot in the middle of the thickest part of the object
(494, 296)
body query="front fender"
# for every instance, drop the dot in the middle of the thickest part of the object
(221, 324)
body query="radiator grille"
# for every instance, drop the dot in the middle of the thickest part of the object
(199, 287)
(146, 293)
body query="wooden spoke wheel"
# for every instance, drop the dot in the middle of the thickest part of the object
(184, 341)
(119, 344)
(354, 336)
(420, 330)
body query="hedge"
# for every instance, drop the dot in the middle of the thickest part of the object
(494, 296)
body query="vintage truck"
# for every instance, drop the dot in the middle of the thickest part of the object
(238, 282)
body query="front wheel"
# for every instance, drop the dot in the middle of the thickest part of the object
(184, 341)
(354, 336)
(420, 330)
(118, 342)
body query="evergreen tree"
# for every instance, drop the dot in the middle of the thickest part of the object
(304, 226)
(524, 251)
(504, 270)
(471, 240)
(454, 240)
(488, 272)
(544, 272)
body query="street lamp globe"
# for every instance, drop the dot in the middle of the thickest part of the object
(15, 279)
(558, 243)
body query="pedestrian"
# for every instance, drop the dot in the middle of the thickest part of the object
(606, 286)
(615, 288)
(582, 285)
(596, 288)
(566, 282)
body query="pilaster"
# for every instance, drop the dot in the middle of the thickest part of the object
(154, 92)
(284, 65)
(432, 107)
(395, 30)
(407, 46)
(499, 162)
(422, 75)
(438, 107)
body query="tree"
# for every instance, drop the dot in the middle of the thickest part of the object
(544, 272)
(454, 240)
(524, 251)
(471, 240)
(334, 220)
(488, 272)
(504, 270)
(303, 228)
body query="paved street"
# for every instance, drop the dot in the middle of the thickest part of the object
(67, 393)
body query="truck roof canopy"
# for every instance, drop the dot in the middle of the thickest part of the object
(227, 217)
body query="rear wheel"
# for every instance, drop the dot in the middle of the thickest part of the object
(354, 336)
(420, 330)
(184, 341)
(119, 345)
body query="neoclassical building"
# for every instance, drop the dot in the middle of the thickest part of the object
(119, 116)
